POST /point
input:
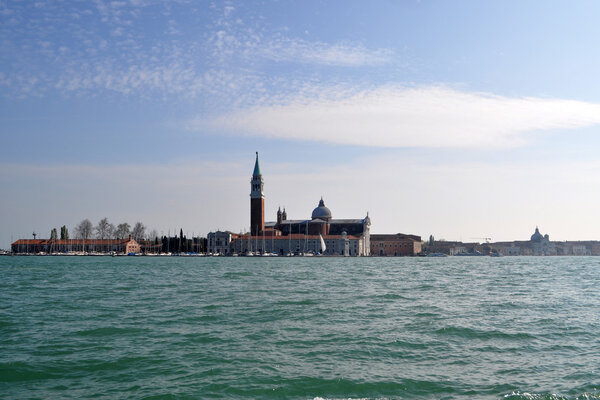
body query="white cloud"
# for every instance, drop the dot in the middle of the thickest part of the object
(406, 117)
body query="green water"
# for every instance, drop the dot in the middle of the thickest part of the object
(299, 328)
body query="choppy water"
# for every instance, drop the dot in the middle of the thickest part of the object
(299, 328)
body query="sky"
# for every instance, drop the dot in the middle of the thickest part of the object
(462, 120)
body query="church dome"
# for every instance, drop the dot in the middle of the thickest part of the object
(321, 211)
(537, 236)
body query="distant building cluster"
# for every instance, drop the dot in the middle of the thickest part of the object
(320, 234)
(540, 245)
(537, 245)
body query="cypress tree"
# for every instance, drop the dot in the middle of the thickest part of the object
(64, 233)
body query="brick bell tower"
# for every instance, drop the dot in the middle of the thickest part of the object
(257, 201)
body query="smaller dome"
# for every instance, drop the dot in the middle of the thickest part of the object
(321, 211)
(537, 236)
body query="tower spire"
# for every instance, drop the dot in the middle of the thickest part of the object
(256, 167)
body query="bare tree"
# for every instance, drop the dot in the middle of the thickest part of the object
(122, 230)
(139, 231)
(111, 231)
(104, 229)
(84, 229)
(152, 235)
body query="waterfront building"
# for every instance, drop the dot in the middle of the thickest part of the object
(541, 245)
(452, 247)
(398, 244)
(511, 250)
(50, 246)
(219, 242)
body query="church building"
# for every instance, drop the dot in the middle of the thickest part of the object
(320, 233)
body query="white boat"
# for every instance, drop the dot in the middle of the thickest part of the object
(437, 255)
(323, 247)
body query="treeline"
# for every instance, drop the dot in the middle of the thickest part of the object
(181, 244)
(106, 230)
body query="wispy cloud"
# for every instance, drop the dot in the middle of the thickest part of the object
(394, 116)
(337, 54)
(234, 39)
(105, 47)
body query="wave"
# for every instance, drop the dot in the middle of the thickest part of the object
(109, 331)
(550, 396)
(471, 333)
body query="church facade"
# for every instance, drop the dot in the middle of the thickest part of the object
(343, 237)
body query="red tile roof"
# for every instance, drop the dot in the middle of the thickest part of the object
(67, 242)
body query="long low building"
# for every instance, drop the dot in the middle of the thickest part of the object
(49, 246)
(393, 245)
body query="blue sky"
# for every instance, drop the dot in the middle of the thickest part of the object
(458, 119)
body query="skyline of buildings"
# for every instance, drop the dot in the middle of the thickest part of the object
(319, 234)
(349, 237)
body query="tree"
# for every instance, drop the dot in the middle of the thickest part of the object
(139, 231)
(64, 233)
(431, 240)
(104, 229)
(122, 230)
(84, 229)
(111, 231)
(53, 234)
(180, 240)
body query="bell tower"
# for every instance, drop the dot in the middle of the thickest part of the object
(257, 201)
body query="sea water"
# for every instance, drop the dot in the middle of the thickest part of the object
(300, 328)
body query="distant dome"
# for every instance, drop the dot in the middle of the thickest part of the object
(537, 236)
(321, 211)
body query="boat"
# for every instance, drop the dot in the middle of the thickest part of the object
(470, 254)
(249, 252)
(323, 247)
(437, 255)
